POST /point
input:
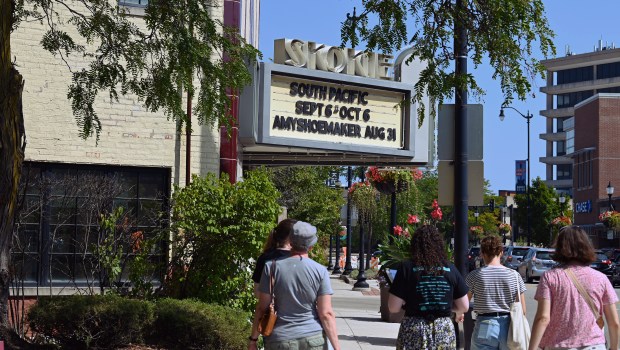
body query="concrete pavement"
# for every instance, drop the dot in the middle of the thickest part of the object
(358, 318)
(359, 321)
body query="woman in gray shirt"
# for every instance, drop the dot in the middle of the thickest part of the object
(302, 298)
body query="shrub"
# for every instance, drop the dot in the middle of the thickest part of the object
(190, 324)
(370, 274)
(220, 227)
(91, 321)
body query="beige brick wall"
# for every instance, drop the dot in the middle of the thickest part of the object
(130, 135)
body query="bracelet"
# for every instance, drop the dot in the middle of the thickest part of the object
(252, 339)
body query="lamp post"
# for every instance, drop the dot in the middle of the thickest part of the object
(361, 276)
(476, 214)
(347, 265)
(562, 200)
(527, 117)
(610, 192)
(333, 182)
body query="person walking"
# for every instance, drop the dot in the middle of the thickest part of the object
(429, 288)
(302, 291)
(494, 288)
(276, 247)
(564, 319)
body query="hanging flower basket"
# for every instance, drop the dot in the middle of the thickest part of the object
(611, 219)
(363, 196)
(504, 229)
(392, 180)
(561, 221)
(476, 231)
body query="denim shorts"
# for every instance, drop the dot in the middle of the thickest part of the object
(587, 347)
(313, 342)
(490, 333)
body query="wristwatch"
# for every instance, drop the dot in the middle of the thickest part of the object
(252, 339)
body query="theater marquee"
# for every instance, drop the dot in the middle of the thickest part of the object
(326, 105)
(316, 110)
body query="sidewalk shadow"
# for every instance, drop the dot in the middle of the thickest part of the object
(363, 319)
(375, 341)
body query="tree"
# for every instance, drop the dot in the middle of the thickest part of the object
(544, 207)
(180, 47)
(307, 197)
(504, 31)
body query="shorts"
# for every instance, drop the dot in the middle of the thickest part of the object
(313, 342)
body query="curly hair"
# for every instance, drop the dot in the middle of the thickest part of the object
(279, 235)
(491, 246)
(427, 249)
(573, 245)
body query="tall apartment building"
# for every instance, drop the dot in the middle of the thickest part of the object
(571, 80)
(583, 150)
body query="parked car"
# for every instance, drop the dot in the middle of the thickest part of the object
(606, 266)
(473, 258)
(535, 263)
(513, 255)
(612, 253)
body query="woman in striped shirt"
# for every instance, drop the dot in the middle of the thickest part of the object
(494, 287)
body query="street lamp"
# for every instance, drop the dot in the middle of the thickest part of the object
(476, 214)
(562, 200)
(527, 117)
(610, 192)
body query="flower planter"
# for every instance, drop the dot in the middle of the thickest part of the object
(389, 187)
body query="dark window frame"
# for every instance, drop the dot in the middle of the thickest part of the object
(43, 251)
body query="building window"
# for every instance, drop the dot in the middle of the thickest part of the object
(59, 227)
(609, 70)
(564, 171)
(140, 3)
(584, 170)
(610, 90)
(570, 141)
(575, 75)
(572, 98)
(560, 148)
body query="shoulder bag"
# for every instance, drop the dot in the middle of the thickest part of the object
(519, 330)
(268, 321)
(599, 318)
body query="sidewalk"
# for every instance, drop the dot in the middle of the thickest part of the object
(358, 318)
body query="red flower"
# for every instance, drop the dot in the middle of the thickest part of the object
(406, 233)
(417, 174)
(398, 230)
(436, 213)
(412, 219)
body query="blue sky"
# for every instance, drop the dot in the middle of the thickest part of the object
(577, 23)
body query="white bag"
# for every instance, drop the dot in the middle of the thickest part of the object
(519, 330)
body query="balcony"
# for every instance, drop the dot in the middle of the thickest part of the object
(558, 113)
(559, 183)
(556, 160)
(554, 136)
(581, 86)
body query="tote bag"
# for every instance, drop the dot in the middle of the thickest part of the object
(519, 330)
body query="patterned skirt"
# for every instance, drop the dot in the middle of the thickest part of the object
(417, 333)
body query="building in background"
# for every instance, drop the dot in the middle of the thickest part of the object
(583, 152)
(596, 165)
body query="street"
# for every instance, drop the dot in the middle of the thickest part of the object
(359, 323)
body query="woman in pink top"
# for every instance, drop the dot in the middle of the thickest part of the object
(563, 318)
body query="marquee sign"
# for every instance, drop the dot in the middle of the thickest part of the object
(308, 109)
(328, 105)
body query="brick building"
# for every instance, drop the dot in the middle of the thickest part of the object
(142, 151)
(596, 163)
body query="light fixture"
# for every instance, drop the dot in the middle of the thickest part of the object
(610, 189)
(562, 198)
(501, 115)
